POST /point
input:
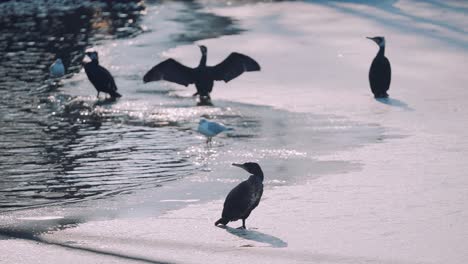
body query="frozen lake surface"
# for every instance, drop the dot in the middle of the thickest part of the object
(349, 179)
(78, 153)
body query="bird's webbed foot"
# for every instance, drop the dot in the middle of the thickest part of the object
(195, 94)
(205, 100)
(381, 95)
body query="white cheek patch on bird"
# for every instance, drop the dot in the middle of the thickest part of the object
(86, 59)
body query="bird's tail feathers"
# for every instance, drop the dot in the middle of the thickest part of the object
(222, 221)
(115, 94)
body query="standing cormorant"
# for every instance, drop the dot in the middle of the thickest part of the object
(202, 76)
(380, 73)
(244, 197)
(57, 69)
(99, 76)
(210, 129)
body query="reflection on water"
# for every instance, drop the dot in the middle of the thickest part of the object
(87, 149)
(195, 23)
(40, 153)
(30, 41)
(57, 148)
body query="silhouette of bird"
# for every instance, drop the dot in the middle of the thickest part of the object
(211, 129)
(244, 197)
(100, 77)
(57, 69)
(380, 72)
(202, 76)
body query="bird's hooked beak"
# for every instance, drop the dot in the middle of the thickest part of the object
(378, 40)
(239, 165)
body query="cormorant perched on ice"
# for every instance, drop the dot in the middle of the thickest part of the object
(380, 73)
(202, 76)
(244, 197)
(99, 76)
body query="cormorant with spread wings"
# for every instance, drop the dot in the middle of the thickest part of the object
(202, 76)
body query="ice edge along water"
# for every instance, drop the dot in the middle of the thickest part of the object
(407, 205)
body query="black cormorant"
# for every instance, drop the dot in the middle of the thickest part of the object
(380, 73)
(99, 76)
(202, 76)
(244, 197)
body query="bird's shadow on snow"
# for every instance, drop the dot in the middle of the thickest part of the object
(256, 236)
(394, 102)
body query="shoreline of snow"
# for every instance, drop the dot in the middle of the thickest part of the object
(408, 203)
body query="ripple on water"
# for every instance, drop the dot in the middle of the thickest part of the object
(87, 149)
(56, 148)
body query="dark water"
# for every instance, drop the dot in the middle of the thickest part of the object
(31, 39)
(59, 145)
(55, 153)
(58, 148)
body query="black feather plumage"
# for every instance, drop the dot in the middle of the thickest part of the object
(380, 73)
(202, 76)
(100, 77)
(245, 197)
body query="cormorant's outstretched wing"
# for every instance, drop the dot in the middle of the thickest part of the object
(234, 65)
(172, 71)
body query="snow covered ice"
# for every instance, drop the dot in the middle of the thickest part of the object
(403, 197)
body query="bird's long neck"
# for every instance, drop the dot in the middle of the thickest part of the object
(259, 175)
(381, 52)
(203, 60)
